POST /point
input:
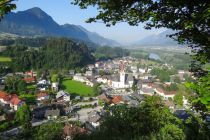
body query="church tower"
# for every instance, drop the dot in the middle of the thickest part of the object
(122, 72)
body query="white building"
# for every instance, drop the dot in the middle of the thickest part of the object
(122, 80)
(62, 96)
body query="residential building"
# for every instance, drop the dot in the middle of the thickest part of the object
(62, 96)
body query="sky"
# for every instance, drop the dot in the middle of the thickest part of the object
(62, 11)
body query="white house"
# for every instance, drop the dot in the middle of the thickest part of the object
(15, 102)
(80, 78)
(165, 94)
(62, 96)
(43, 81)
(147, 91)
(141, 70)
(55, 86)
(134, 69)
(89, 73)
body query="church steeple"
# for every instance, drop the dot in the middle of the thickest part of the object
(122, 72)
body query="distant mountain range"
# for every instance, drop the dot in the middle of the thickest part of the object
(35, 22)
(158, 40)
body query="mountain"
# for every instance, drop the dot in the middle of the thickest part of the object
(35, 22)
(96, 38)
(158, 40)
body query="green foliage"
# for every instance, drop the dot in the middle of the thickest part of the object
(54, 78)
(171, 87)
(5, 7)
(49, 131)
(151, 120)
(177, 79)
(12, 83)
(108, 52)
(178, 99)
(29, 98)
(163, 74)
(21, 86)
(202, 88)
(97, 89)
(23, 117)
(56, 53)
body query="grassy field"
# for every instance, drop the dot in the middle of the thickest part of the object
(5, 59)
(77, 88)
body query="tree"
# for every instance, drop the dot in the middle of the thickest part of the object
(21, 86)
(11, 83)
(23, 117)
(97, 89)
(178, 99)
(49, 131)
(5, 7)
(177, 79)
(134, 86)
(54, 78)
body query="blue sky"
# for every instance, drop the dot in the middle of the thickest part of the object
(63, 12)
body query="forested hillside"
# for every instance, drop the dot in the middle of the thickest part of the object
(56, 53)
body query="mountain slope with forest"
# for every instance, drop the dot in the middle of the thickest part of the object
(35, 22)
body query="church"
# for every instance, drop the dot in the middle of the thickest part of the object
(122, 80)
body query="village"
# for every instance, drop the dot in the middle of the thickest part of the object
(110, 82)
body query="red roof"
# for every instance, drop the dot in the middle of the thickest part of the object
(4, 96)
(160, 90)
(170, 92)
(29, 79)
(15, 100)
(116, 99)
(42, 94)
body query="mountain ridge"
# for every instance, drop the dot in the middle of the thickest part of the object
(35, 22)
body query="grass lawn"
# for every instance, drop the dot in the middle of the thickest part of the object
(78, 88)
(5, 59)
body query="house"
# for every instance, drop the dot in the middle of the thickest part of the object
(117, 100)
(42, 96)
(80, 78)
(165, 94)
(94, 118)
(105, 98)
(89, 73)
(142, 70)
(137, 97)
(90, 67)
(62, 96)
(12, 100)
(15, 102)
(97, 64)
(70, 131)
(52, 114)
(134, 69)
(55, 86)
(103, 79)
(133, 103)
(2, 118)
(4, 97)
(43, 82)
(147, 91)
(71, 72)
(29, 80)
